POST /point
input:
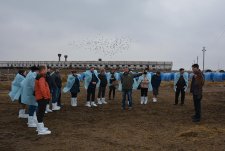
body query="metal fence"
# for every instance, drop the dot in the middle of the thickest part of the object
(85, 64)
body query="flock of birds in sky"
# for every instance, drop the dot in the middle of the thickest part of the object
(99, 44)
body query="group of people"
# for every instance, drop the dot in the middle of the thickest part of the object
(41, 85)
(125, 81)
(35, 89)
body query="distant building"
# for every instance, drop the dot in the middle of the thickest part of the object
(152, 65)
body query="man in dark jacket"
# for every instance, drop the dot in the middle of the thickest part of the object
(56, 89)
(127, 80)
(112, 84)
(49, 81)
(197, 84)
(156, 81)
(91, 88)
(75, 88)
(102, 87)
(180, 86)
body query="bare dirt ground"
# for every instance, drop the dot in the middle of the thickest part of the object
(158, 127)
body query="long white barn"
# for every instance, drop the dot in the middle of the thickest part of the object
(157, 65)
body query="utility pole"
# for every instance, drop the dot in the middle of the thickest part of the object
(204, 50)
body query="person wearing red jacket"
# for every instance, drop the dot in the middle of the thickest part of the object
(42, 95)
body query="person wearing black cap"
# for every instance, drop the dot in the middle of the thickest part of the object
(197, 84)
(180, 85)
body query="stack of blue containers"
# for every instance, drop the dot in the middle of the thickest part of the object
(218, 77)
(209, 76)
(167, 76)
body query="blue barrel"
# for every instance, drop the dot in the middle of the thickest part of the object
(172, 76)
(217, 77)
(208, 76)
(166, 76)
(223, 76)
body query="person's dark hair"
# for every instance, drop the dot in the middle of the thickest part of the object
(34, 68)
(21, 72)
(195, 66)
(181, 69)
(42, 67)
(73, 71)
(145, 71)
(158, 72)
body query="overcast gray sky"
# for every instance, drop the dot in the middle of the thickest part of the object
(160, 30)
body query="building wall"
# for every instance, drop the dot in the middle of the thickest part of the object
(85, 64)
